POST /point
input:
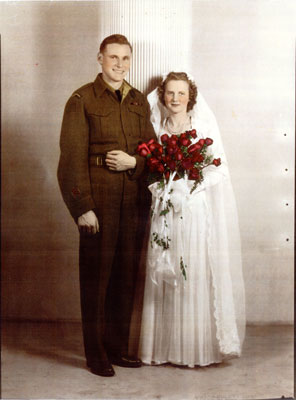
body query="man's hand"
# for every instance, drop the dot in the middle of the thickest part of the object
(118, 160)
(88, 223)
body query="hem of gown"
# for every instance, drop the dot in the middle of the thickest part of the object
(180, 363)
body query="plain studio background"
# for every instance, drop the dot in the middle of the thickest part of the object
(243, 60)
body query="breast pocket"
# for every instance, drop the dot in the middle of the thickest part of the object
(103, 124)
(136, 119)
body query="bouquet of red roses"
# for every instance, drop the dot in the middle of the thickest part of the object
(179, 156)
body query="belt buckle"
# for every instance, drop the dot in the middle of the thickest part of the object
(99, 161)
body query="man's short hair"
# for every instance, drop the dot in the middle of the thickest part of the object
(119, 39)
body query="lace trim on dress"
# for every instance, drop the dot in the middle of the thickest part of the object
(226, 329)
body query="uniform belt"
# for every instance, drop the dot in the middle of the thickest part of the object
(97, 160)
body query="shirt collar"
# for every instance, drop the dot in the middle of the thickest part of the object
(100, 86)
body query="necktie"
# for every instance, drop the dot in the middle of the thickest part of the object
(118, 94)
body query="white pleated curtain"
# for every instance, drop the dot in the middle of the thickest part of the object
(159, 31)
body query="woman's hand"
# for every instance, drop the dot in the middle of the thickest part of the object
(118, 160)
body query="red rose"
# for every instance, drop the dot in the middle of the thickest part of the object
(178, 155)
(173, 140)
(171, 149)
(158, 150)
(217, 162)
(186, 163)
(201, 142)
(193, 133)
(164, 138)
(197, 157)
(160, 168)
(172, 165)
(185, 142)
(193, 148)
(143, 150)
(166, 158)
(194, 174)
(150, 142)
(152, 147)
(209, 141)
(153, 163)
(196, 147)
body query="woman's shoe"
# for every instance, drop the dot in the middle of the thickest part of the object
(126, 361)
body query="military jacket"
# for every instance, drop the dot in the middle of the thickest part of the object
(94, 123)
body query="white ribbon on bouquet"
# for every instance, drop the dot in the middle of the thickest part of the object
(162, 262)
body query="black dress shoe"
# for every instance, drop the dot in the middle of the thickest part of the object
(101, 367)
(125, 361)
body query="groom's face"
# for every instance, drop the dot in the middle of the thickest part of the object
(115, 61)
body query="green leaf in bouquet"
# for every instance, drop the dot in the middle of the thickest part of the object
(183, 268)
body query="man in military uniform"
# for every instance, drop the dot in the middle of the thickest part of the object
(99, 174)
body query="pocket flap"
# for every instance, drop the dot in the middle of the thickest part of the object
(100, 111)
(138, 109)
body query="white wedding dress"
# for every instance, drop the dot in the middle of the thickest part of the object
(199, 320)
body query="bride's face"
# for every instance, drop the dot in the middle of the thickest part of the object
(176, 96)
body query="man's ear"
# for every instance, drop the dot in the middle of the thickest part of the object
(100, 58)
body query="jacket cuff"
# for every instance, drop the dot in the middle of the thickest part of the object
(82, 206)
(135, 173)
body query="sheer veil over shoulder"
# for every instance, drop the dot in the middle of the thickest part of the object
(200, 320)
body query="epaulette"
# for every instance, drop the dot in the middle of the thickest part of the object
(79, 92)
(132, 89)
(137, 91)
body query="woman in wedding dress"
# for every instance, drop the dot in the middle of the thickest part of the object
(194, 305)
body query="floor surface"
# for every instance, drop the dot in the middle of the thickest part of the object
(46, 361)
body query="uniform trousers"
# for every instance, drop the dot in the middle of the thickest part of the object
(108, 266)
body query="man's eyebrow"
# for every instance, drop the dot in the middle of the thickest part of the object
(115, 55)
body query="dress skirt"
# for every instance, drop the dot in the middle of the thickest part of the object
(178, 322)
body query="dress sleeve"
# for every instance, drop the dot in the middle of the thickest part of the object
(73, 168)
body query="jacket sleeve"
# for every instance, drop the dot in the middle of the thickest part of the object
(73, 168)
(147, 134)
